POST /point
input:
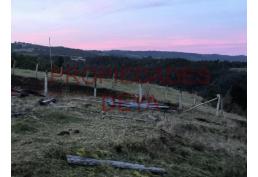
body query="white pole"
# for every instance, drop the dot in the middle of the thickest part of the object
(218, 105)
(194, 100)
(36, 70)
(140, 92)
(45, 85)
(95, 92)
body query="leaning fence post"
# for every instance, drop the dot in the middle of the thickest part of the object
(36, 70)
(45, 86)
(218, 105)
(140, 92)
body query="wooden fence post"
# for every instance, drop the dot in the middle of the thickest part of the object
(36, 70)
(140, 92)
(147, 90)
(45, 86)
(194, 101)
(218, 105)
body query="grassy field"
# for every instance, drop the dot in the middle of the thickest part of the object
(160, 93)
(192, 144)
(125, 86)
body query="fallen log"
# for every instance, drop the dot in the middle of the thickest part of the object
(136, 105)
(65, 106)
(77, 160)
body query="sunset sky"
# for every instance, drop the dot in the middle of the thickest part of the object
(199, 26)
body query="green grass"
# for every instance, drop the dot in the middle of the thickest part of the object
(192, 144)
(186, 145)
(22, 128)
(160, 93)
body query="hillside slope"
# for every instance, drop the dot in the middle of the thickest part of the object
(44, 50)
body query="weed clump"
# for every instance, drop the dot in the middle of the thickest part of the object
(97, 154)
(22, 127)
(55, 152)
(61, 117)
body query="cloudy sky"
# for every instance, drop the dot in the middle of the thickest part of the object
(200, 26)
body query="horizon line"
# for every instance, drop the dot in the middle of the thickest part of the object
(148, 50)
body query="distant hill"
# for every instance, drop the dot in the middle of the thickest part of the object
(166, 54)
(44, 50)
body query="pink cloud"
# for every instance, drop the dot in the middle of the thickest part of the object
(234, 45)
(184, 45)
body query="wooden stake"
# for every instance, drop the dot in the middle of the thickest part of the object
(36, 70)
(194, 100)
(45, 86)
(218, 105)
(140, 92)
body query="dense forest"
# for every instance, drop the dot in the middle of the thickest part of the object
(224, 77)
